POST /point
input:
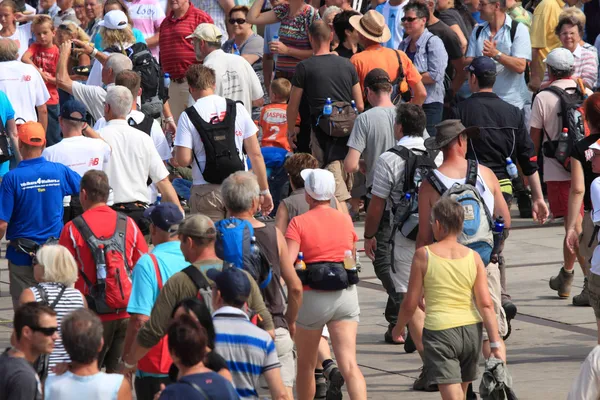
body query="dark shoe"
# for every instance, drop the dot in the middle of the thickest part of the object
(388, 338)
(524, 204)
(509, 309)
(583, 298)
(335, 381)
(562, 283)
(321, 384)
(421, 383)
(409, 345)
(470, 393)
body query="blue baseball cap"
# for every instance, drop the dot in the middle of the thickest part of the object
(481, 65)
(232, 282)
(165, 216)
(73, 110)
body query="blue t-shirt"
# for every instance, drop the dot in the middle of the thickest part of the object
(215, 387)
(31, 201)
(144, 291)
(6, 113)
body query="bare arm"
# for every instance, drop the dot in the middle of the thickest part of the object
(536, 70)
(273, 378)
(258, 163)
(427, 197)
(125, 390)
(152, 41)
(63, 79)
(183, 156)
(42, 112)
(227, 5)
(168, 193)
(255, 17)
(268, 67)
(358, 97)
(26, 58)
(292, 113)
(293, 283)
(426, 79)
(11, 126)
(136, 321)
(282, 217)
(514, 64)
(3, 226)
(415, 288)
(460, 76)
(575, 199)
(461, 37)
(27, 296)
(536, 138)
(351, 160)
(419, 93)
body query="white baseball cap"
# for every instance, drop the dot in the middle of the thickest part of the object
(560, 59)
(115, 19)
(318, 183)
(207, 32)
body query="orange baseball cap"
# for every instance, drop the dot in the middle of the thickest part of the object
(32, 133)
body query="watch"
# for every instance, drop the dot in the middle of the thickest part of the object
(126, 365)
(495, 345)
(497, 56)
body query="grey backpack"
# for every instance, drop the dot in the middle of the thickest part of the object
(478, 227)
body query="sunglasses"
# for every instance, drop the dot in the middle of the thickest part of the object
(239, 21)
(49, 331)
(408, 19)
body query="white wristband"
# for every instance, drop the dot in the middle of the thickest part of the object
(495, 345)
(264, 192)
(94, 52)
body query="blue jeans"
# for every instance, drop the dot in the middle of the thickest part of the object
(433, 111)
(183, 187)
(53, 134)
(278, 185)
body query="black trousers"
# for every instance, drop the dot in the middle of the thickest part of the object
(146, 388)
(135, 211)
(73, 210)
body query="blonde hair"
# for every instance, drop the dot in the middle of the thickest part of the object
(573, 12)
(79, 3)
(116, 37)
(58, 263)
(281, 88)
(41, 19)
(74, 30)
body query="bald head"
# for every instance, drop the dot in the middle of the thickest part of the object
(9, 50)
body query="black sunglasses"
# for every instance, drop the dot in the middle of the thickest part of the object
(239, 21)
(49, 331)
(409, 19)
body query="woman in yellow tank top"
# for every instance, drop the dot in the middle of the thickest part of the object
(448, 275)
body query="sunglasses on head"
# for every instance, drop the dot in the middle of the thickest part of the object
(409, 19)
(49, 331)
(239, 21)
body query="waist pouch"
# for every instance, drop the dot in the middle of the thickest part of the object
(549, 149)
(26, 246)
(328, 276)
(129, 207)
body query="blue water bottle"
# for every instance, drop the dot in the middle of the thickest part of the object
(158, 199)
(354, 106)
(236, 51)
(328, 109)
(167, 78)
(498, 234)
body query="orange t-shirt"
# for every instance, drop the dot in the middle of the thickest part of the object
(273, 122)
(324, 234)
(377, 56)
(46, 59)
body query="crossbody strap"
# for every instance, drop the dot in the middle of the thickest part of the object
(197, 388)
(157, 270)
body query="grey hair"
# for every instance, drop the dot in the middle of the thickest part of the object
(239, 190)
(331, 10)
(558, 74)
(81, 332)
(119, 99)
(9, 50)
(118, 62)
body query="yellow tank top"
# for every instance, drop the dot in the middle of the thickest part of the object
(448, 288)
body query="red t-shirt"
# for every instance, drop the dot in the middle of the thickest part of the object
(103, 222)
(324, 234)
(46, 59)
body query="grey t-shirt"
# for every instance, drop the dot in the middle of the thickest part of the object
(93, 97)
(373, 133)
(18, 380)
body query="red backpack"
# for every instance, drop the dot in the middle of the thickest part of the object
(110, 293)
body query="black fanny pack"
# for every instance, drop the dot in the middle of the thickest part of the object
(549, 148)
(328, 276)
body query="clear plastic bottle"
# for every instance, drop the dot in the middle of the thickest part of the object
(562, 151)
(101, 271)
(328, 109)
(511, 168)
(354, 106)
(236, 51)
(349, 261)
(254, 246)
(167, 78)
(300, 264)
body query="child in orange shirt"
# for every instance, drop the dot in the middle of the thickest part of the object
(43, 54)
(273, 119)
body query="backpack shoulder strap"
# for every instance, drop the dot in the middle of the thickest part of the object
(196, 388)
(478, 32)
(43, 294)
(513, 29)
(157, 271)
(84, 229)
(58, 296)
(471, 173)
(437, 184)
(197, 277)
(410, 160)
(199, 123)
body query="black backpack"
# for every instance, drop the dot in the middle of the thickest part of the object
(218, 138)
(5, 147)
(146, 127)
(154, 92)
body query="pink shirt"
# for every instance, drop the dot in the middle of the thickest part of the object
(147, 15)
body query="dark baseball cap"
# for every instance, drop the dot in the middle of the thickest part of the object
(73, 110)
(165, 216)
(447, 131)
(480, 65)
(376, 75)
(232, 282)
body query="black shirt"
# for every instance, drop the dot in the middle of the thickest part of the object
(18, 380)
(582, 153)
(322, 77)
(502, 133)
(451, 17)
(451, 43)
(344, 52)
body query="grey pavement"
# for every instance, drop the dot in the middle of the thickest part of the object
(549, 341)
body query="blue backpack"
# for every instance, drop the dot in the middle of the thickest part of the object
(237, 245)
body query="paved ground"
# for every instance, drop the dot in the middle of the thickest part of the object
(550, 337)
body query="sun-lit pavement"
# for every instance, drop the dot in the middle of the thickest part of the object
(549, 341)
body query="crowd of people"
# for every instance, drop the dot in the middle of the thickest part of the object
(179, 181)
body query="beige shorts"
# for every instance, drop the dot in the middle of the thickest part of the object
(287, 356)
(207, 200)
(321, 307)
(587, 232)
(343, 180)
(493, 278)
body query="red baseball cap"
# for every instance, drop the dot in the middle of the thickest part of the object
(32, 133)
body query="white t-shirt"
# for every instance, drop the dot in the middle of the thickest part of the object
(22, 36)
(24, 87)
(134, 158)
(595, 215)
(208, 107)
(236, 80)
(93, 97)
(79, 153)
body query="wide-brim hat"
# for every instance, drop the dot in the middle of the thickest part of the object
(372, 26)
(447, 131)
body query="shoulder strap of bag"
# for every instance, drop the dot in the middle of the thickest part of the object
(43, 294)
(157, 270)
(400, 76)
(410, 159)
(198, 123)
(513, 29)
(437, 184)
(478, 32)
(197, 277)
(197, 388)
(58, 297)
(471, 173)
(85, 232)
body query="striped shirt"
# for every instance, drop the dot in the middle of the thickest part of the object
(293, 32)
(585, 67)
(248, 350)
(70, 300)
(177, 53)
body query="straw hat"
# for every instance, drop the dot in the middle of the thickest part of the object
(372, 26)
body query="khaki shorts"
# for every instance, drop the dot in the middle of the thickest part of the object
(20, 278)
(594, 289)
(321, 307)
(287, 356)
(343, 180)
(207, 200)
(493, 278)
(587, 232)
(114, 341)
